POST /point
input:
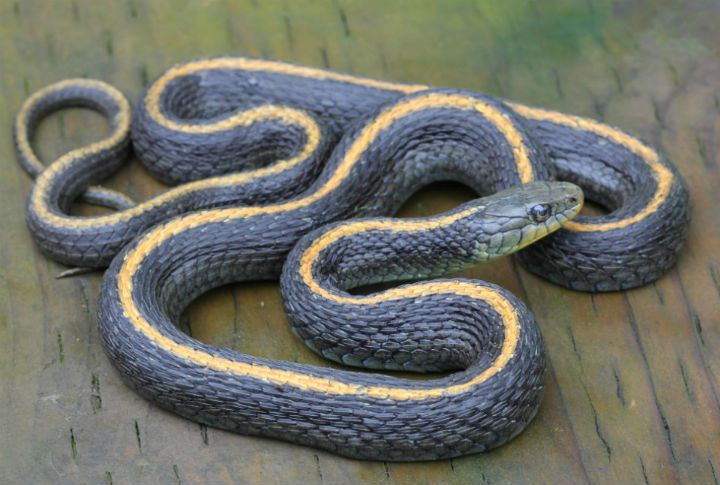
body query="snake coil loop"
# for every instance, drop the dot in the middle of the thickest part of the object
(269, 153)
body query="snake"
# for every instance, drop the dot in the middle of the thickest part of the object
(288, 171)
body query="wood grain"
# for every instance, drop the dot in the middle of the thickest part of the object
(634, 377)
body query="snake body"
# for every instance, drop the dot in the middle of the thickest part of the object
(270, 152)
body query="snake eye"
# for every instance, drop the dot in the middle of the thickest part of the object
(540, 212)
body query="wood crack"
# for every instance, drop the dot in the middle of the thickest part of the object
(696, 325)
(636, 335)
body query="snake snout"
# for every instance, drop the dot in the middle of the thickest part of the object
(537, 202)
(566, 199)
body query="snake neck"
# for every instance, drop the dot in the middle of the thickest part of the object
(369, 251)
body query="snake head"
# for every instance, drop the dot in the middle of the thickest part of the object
(519, 216)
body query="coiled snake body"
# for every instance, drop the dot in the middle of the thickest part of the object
(270, 153)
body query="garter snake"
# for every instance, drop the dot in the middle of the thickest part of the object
(269, 152)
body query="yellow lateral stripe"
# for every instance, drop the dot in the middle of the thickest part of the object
(313, 251)
(662, 175)
(497, 301)
(304, 381)
(287, 115)
(152, 101)
(21, 120)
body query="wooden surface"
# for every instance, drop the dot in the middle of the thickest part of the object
(633, 382)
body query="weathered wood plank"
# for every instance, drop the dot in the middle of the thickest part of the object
(634, 378)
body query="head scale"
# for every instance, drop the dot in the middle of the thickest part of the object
(522, 215)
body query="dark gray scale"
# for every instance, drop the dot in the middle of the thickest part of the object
(442, 331)
(211, 94)
(446, 145)
(436, 333)
(593, 261)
